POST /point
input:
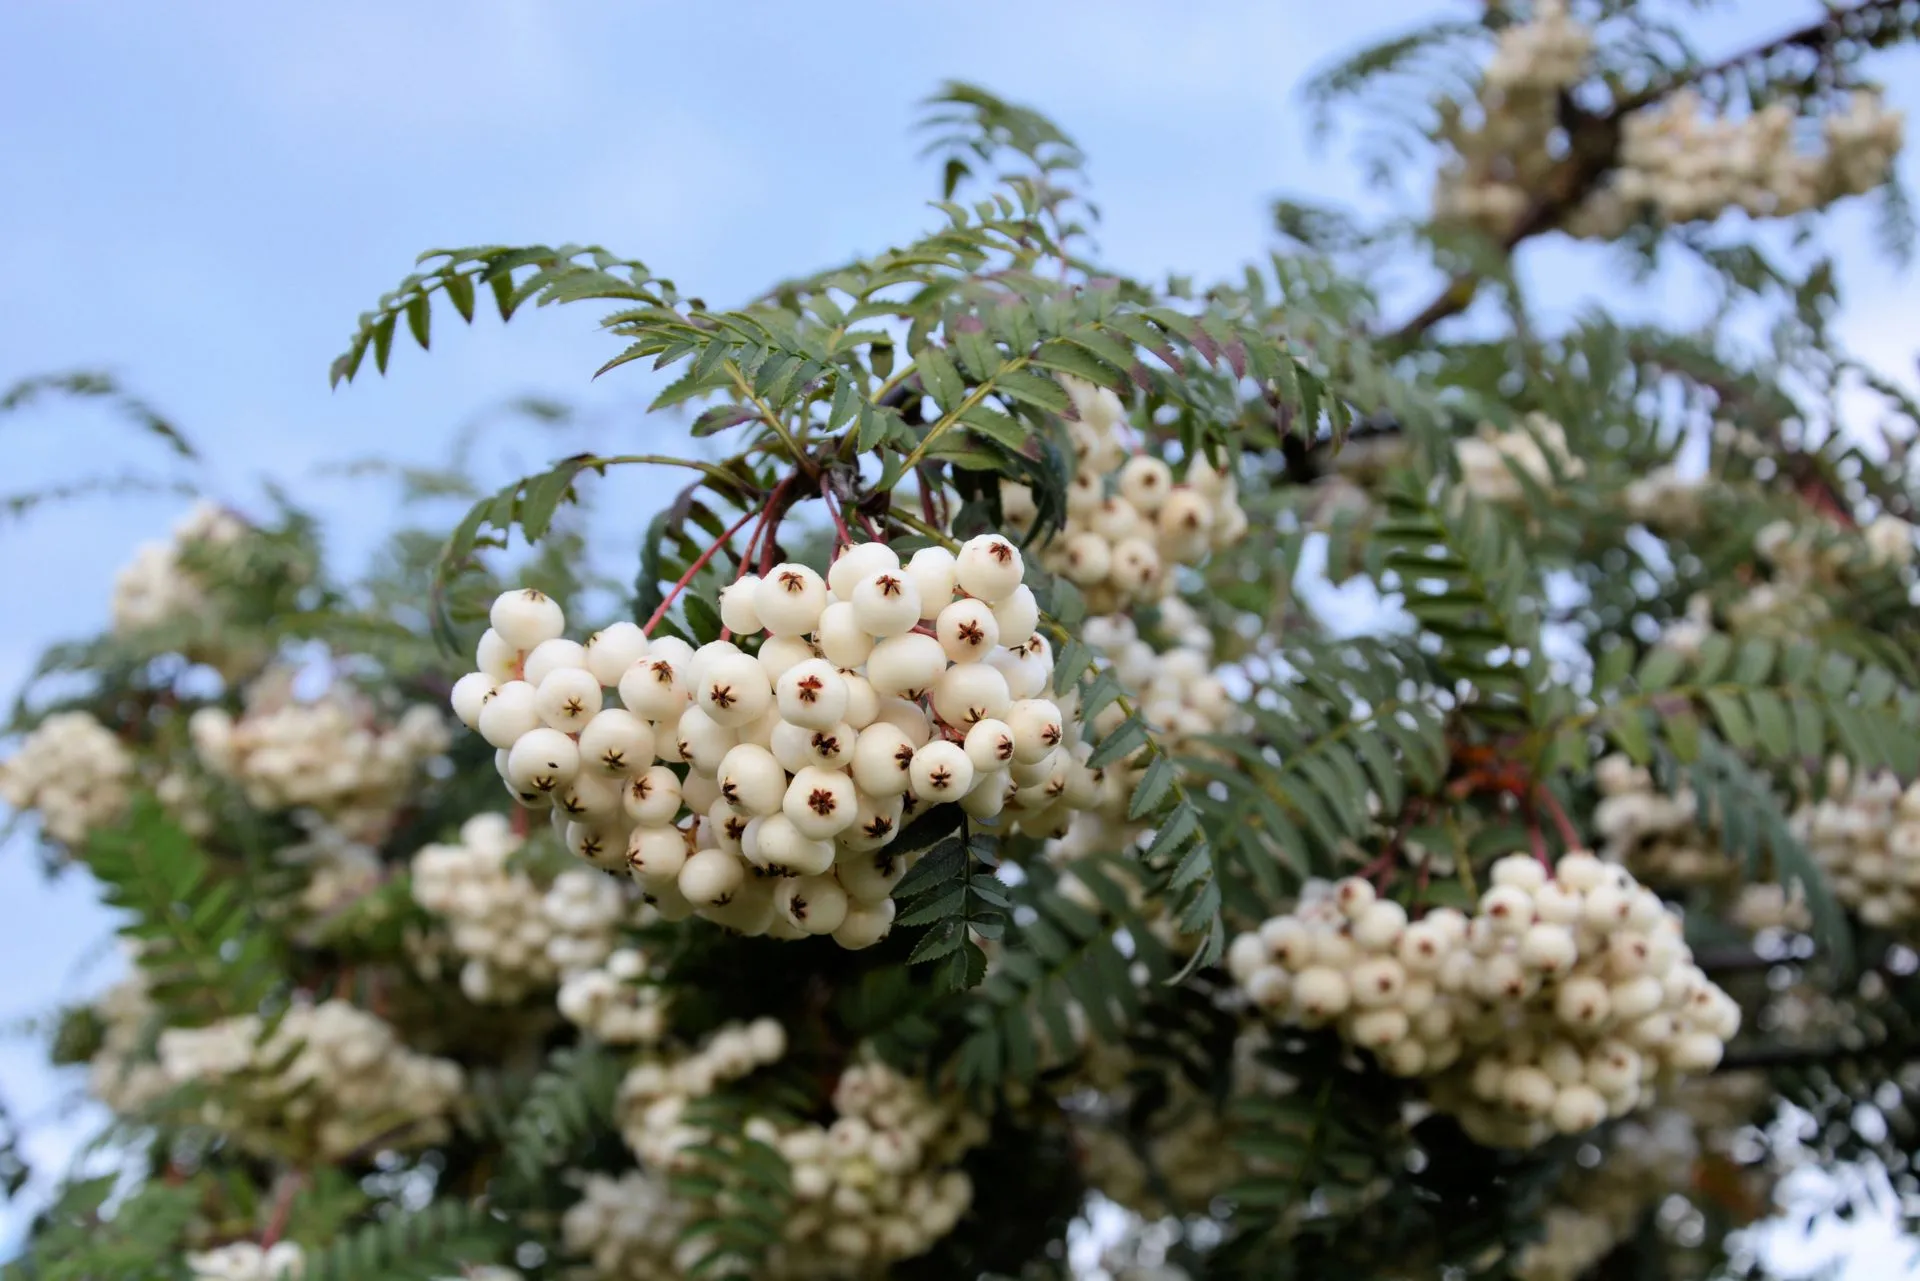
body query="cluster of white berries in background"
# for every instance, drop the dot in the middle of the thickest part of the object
(245, 1261)
(876, 1185)
(286, 1261)
(612, 1003)
(339, 869)
(72, 772)
(1691, 1143)
(1659, 838)
(155, 587)
(629, 1228)
(874, 694)
(332, 755)
(1557, 1004)
(1681, 165)
(1677, 163)
(1176, 688)
(122, 1074)
(1664, 499)
(331, 1072)
(1866, 835)
(1537, 446)
(511, 936)
(1128, 521)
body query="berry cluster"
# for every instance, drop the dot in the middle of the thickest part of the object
(1128, 521)
(122, 1073)
(71, 771)
(1661, 839)
(877, 1185)
(331, 1072)
(874, 694)
(629, 1228)
(155, 587)
(245, 1261)
(1866, 834)
(1676, 165)
(1679, 165)
(1556, 1005)
(331, 755)
(510, 936)
(1536, 447)
(610, 1001)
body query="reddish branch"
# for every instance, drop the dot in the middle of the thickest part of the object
(1593, 141)
(693, 569)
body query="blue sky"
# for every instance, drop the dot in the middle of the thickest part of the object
(202, 197)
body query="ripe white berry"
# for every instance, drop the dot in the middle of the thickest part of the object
(1320, 993)
(652, 797)
(886, 603)
(865, 925)
(655, 688)
(882, 760)
(710, 877)
(820, 803)
(1018, 613)
(1578, 1108)
(1507, 909)
(941, 772)
(751, 780)
(470, 693)
(613, 649)
(512, 711)
(1145, 482)
(857, 561)
(988, 567)
(990, 745)
(655, 855)
(732, 689)
(776, 843)
(496, 658)
(1086, 558)
(932, 572)
(598, 846)
(1551, 949)
(591, 796)
(541, 760)
(967, 630)
(814, 904)
(905, 665)
(789, 600)
(737, 611)
(526, 617)
(842, 639)
(812, 694)
(1037, 729)
(568, 698)
(702, 740)
(870, 875)
(968, 693)
(778, 654)
(616, 743)
(551, 656)
(876, 822)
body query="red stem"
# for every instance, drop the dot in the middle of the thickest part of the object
(1560, 819)
(776, 506)
(833, 510)
(282, 1208)
(693, 569)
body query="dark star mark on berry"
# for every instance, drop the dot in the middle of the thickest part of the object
(939, 778)
(970, 632)
(614, 759)
(809, 688)
(822, 801)
(904, 758)
(825, 744)
(877, 826)
(888, 585)
(723, 696)
(793, 581)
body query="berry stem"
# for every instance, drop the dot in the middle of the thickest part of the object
(282, 1209)
(833, 510)
(766, 514)
(696, 567)
(1560, 820)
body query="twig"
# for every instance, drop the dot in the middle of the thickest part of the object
(833, 510)
(282, 1208)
